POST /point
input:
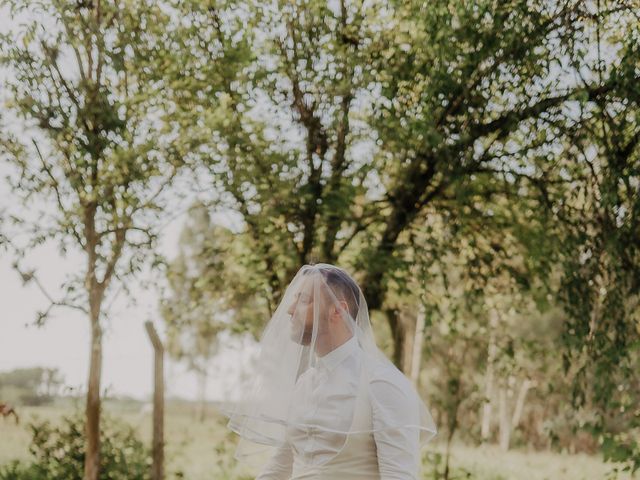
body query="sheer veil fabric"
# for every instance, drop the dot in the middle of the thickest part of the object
(321, 381)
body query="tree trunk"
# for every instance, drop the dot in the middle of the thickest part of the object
(92, 412)
(416, 356)
(398, 331)
(504, 419)
(202, 394)
(487, 406)
(447, 457)
(522, 395)
(157, 469)
(452, 421)
(96, 290)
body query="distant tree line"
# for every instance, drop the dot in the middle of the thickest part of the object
(30, 386)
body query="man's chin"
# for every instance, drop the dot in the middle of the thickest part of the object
(300, 338)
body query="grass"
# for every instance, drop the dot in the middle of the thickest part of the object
(199, 450)
(490, 463)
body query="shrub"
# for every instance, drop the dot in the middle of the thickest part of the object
(58, 453)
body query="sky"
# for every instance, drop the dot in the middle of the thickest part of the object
(63, 342)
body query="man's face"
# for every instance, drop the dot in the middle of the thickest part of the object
(301, 311)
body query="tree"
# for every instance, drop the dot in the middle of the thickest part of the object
(471, 100)
(209, 290)
(273, 150)
(96, 147)
(402, 113)
(343, 124)
(599, 223)
(477, 282)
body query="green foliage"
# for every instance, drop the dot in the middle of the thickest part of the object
(600, 255)
(365, 116)
(437, 151)
(435, 468)
(90, 149)
(58, 451)
(210, 289)
(623, 449)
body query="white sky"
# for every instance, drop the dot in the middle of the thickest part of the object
(64, 340)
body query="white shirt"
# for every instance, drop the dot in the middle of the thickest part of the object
(325, 396)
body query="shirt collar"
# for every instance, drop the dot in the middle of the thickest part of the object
(337, 355)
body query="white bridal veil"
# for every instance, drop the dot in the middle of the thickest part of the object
(322, 324)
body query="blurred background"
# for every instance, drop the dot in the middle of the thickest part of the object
(475, 165)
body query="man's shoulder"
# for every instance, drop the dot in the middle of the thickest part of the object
(381, 370)
(392, 395)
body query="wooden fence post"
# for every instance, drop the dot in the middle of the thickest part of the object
(157, 469)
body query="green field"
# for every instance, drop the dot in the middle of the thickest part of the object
(204, 450)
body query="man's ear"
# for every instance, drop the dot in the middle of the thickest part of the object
(342, 305)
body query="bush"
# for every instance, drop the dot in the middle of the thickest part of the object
(58, 453)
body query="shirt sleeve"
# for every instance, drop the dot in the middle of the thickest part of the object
(279, 465)
(398, 446)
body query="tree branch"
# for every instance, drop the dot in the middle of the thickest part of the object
(31, 277)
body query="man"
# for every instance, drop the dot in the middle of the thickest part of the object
(326, 397)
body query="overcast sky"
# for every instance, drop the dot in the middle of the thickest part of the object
(64, 340)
